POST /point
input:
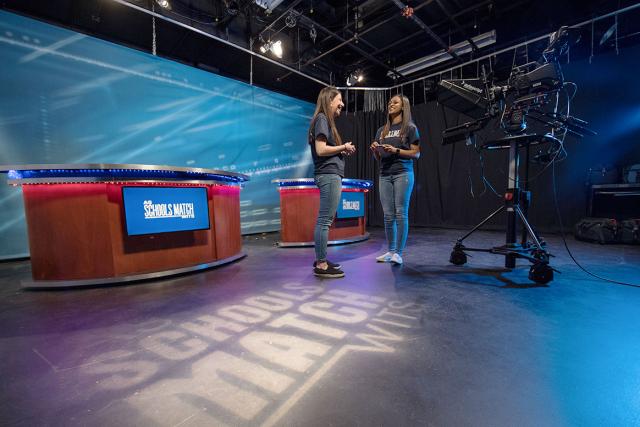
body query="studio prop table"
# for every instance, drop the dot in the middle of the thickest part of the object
(108, 223)
(619, 201)
(299, 205)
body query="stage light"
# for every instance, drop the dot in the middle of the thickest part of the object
(276, 48)
(163, 3)
(355, 77)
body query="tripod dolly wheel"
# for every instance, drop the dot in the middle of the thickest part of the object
(541, 255)
(458, 257)
(541, 273)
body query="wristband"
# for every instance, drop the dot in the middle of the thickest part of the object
(397, 151)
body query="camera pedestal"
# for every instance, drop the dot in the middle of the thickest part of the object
(516, 203)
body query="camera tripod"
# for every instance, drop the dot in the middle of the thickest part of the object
(516, 205)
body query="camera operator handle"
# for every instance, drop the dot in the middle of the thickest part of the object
(577, 125)
(577, 120)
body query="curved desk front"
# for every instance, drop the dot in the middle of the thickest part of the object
(109, 223)
(299, 204)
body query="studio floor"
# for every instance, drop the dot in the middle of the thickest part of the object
(263, 342)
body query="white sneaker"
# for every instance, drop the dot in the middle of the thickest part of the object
(396, 259)
(384, 257)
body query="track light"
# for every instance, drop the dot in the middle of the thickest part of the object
(164, 4)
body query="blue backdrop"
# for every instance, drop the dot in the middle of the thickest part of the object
(71, 98)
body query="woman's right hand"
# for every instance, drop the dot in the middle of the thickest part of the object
(349, 148)
(374, 149)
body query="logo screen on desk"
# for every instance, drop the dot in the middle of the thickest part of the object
(351, 205)
(150, 210)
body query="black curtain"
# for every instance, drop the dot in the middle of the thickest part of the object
(360, 128)
(449, 188)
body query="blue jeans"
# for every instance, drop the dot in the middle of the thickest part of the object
(395, 193)
(330, 186)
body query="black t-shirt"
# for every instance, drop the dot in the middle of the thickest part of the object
(391, 163)
(326, 164)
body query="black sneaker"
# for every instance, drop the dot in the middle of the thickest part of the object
(331, 264)
(330, 272)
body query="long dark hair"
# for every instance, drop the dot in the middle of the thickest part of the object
(406, 117)
(323, 105)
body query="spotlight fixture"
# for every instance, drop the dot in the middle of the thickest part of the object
(355, 78)
(274, 47)
(164, 4)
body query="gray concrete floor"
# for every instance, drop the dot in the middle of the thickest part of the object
(264, 342)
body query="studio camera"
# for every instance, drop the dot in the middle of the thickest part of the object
(532, 92)
(526, 92)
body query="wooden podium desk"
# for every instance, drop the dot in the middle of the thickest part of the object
(299, 204)
(109, 223)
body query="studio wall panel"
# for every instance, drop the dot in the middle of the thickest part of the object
(71, 98)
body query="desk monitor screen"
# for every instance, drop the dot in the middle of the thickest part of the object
(150, 210)
(351, 205)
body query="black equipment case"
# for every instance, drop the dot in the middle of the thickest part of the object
(601, 230)
(630, 232)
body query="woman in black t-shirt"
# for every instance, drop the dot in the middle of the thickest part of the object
(396, 144)
(327, 151)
